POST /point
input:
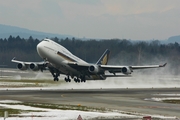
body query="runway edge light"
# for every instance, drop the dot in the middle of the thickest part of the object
(5, 114)
(147, 118)
(79, 117)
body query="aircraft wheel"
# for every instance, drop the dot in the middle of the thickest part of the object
(65, 79)
(56, 79)
(78, 80)
(75, 79)
(83, 80)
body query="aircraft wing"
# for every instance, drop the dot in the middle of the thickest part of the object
(113, 68)
(27, 63)
(30, 65)
(148, 66)
(127, 69)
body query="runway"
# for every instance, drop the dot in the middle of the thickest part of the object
(132, 95)
(130, 100)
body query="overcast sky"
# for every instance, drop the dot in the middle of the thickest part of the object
(129, 19)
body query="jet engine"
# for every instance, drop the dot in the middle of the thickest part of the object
(93, 69)
(126, 70)
(21, 66)
(34, 67)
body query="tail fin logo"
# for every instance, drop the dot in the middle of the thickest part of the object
(104, 58)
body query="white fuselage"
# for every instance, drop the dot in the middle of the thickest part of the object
(58, 56)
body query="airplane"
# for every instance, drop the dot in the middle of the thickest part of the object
(58, 60)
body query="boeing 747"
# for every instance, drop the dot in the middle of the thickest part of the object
(58, 60)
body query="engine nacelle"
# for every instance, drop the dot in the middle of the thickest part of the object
(34, 67)
(126, 70)
(93, 69)
(21, 66)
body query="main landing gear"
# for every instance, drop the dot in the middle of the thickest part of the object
(81, 79)
(77, 80)
(67, 79)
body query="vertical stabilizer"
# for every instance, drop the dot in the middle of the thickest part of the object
(104, 58)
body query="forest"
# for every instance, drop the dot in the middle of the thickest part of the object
(123, 52)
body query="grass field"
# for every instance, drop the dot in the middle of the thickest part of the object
(28, 83)
(172, 101)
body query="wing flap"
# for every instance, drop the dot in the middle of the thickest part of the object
(117, 75)
(78, 66)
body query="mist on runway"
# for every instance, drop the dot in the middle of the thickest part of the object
(147, 78)
(134, 82)
(151, 78)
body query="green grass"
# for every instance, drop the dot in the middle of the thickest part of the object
(10, 111)
(15, 112)
(172, 101)
(61, 106)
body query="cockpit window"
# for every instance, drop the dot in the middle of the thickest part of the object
(46, 40)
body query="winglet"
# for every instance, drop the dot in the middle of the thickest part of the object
(13, 58)
(163, 65)
(16, 61)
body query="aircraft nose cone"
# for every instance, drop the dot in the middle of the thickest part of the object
(40, 49)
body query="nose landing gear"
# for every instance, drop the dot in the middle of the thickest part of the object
(55, 73)
(56, 77)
